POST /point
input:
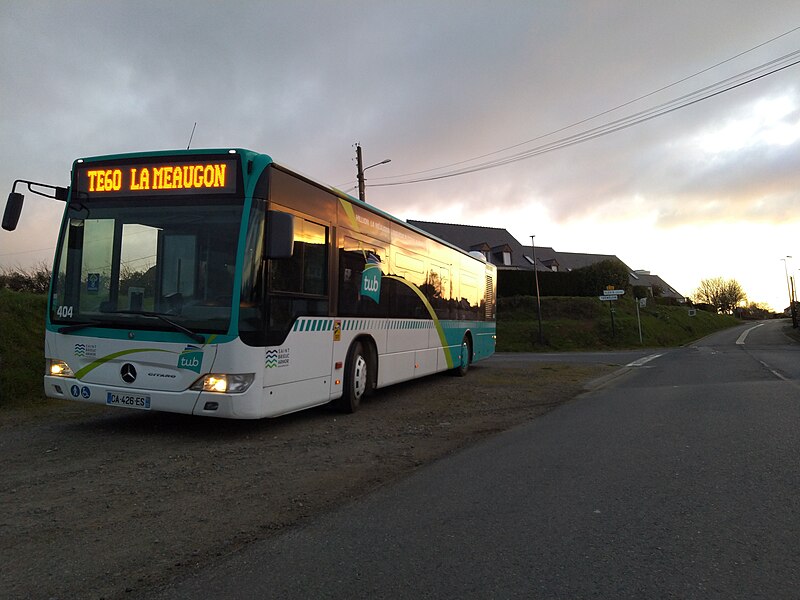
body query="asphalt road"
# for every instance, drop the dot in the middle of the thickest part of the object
(677, 479)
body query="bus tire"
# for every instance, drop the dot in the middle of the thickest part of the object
(356, 379)
(466, 357)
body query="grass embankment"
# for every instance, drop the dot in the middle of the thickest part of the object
(21, 347)
(585, 324)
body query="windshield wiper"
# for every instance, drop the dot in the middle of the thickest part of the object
(195, 336)
(77, 326)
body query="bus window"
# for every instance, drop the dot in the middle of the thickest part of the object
(437, 289)
(306, 271)
(298, 285)
(251, 307)
(177, 269)
(353, 257)
(469, 304)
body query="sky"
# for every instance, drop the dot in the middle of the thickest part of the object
(711, 189)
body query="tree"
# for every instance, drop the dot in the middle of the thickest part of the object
(35, 279)
(604, 273)
(756, 310)
(722, 294)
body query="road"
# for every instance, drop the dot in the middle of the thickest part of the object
(677, 479)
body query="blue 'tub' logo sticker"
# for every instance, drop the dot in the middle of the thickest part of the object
(371, 279)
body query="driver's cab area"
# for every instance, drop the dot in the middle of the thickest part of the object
(119, 265)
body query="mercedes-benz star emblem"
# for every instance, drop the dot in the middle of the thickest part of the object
(128, 373)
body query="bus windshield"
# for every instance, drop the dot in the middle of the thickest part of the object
(123, 263)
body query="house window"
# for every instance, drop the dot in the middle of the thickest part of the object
(507, 258)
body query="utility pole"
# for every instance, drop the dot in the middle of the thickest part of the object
(361, 181)
(360, 164)
(789, 286)
(538, 298)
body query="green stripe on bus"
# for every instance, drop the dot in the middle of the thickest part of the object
(101, 361)
(439, 330)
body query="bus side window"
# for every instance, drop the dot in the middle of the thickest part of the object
(306, 271)
(353, 257)
(298, 285)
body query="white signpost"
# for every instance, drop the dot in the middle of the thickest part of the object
(609, 295)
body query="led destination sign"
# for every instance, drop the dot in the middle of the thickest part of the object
(206, 177)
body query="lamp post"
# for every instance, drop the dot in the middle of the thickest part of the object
(538, 298)
(792, 308)
(361, 181)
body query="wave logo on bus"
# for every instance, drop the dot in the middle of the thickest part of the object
(191, 358)
(277, 358)
(85, 350)
(371, 279)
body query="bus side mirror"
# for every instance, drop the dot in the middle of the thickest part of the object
(13, 210)
(280, 234)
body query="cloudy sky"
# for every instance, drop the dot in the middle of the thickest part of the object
(710, 189)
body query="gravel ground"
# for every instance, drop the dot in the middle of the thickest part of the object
(110, 503)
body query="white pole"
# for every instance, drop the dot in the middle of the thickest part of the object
(636, 300)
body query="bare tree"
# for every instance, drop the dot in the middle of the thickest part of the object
(35, 279)
(722, 294)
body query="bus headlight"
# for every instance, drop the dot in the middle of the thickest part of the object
(224, 383)
(58, 368)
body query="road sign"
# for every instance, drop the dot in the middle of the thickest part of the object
(608, 297)
(613, 292)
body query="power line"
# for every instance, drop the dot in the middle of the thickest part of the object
(28, 251)
(575, 124)
(705, 93)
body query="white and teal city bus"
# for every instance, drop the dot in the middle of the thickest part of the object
(219, 283)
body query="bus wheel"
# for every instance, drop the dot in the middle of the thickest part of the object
(356, 379)
(466, 355)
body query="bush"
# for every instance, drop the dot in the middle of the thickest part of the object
(35, 280)
(586, 281)
(524, 307)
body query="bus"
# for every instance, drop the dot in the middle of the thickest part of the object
(221, 283)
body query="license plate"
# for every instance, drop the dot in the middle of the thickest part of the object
(128, 400)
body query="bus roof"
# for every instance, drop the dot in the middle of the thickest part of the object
(267, 159)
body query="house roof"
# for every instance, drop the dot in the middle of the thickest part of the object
(475, 237)
(646, 279)
(491, 239)
(568, 261)
(495, 240)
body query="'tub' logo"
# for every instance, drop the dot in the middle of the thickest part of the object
(371, 282)
(191, 358)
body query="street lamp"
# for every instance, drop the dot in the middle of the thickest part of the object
(792, 308)
(538, 298)
(361, 180)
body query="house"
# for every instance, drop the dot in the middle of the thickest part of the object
(500, 248)
(657, 286)
(497, 245)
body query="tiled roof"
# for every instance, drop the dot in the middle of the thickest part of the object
(469, 237)
(497, 239)
(653, 281)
